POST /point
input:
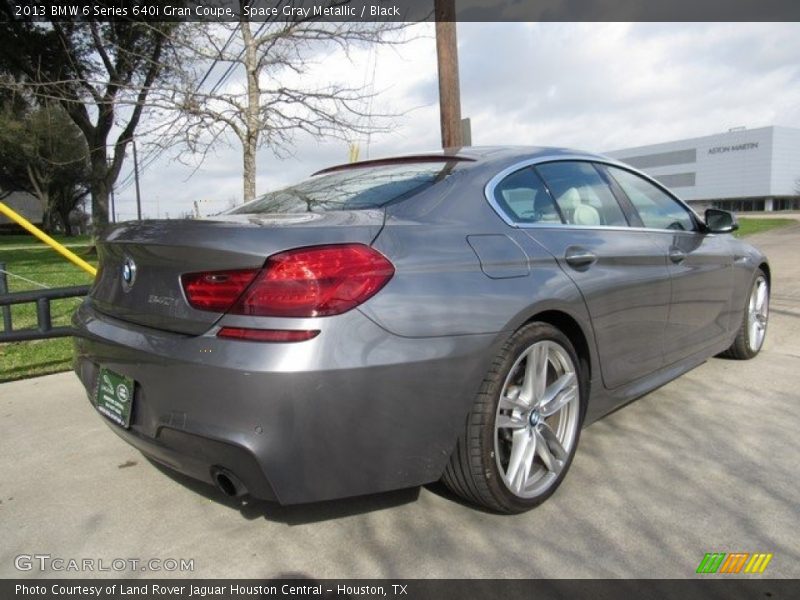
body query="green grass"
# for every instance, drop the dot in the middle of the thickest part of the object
(751, 225)
(28, 240)
(44, 266)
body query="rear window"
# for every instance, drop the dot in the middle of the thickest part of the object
(351, 189)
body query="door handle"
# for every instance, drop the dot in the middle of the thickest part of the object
(578, 257)
(677, 256)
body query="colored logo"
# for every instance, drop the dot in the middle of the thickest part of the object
(128, 274)
(122, 393)
(734, 562)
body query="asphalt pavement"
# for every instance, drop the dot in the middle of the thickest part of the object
(708, 463)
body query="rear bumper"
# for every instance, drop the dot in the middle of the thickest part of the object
(356, 410)
(197, 456)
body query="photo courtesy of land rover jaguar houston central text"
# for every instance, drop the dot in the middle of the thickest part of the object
(459, 315)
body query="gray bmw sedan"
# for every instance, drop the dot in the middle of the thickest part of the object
(459, 316)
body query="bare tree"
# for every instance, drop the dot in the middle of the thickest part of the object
(100, 73)
(277, 100)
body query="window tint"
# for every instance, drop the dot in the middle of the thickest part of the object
(351, 189)
(524, 198)
(582, 195)
(655, 207)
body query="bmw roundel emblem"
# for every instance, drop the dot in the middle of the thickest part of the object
(128, 273)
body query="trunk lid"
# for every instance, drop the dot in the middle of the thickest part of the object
(161, 251)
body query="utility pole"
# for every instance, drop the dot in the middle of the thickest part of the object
(136, 177)
(447, 56)
(112, 216)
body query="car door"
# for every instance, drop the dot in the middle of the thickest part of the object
(621, 274)
(700, 266)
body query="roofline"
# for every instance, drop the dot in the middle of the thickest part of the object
(396, 160)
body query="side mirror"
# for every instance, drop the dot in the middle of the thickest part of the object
(720, 221)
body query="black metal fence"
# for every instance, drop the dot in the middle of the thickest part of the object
(42, 298)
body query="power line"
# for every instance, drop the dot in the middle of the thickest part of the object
(235, 62)
(150, 158)
(156, 153)
(152, 155)
(219, 54)
(222, 79)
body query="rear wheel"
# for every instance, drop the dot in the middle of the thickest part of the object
(753, 328)
(523, 429)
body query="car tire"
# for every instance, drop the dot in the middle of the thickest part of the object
(753, 328)
(516, 449)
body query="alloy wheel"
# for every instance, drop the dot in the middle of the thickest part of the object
(757, 313)
(537, 418)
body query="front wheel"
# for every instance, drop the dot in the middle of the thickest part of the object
(523, 429)
(753, 328)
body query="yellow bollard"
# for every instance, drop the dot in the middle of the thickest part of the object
(30, 227)
(354, 151)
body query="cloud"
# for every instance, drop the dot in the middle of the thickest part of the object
(594, 86)
(601, 86)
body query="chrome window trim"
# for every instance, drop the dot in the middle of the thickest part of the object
(489, 188)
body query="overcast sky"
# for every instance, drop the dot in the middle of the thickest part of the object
(593, 86)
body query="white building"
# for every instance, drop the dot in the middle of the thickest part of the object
(741, 170)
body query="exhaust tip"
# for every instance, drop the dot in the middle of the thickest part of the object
(228, 484)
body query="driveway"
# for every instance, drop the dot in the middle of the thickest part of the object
(707, 463)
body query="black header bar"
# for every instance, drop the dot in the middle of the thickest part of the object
(402, 10)
(730, 588)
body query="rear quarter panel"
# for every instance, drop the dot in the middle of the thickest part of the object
(439, 287)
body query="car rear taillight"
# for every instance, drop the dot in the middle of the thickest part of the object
(218, 290)
(317, 281)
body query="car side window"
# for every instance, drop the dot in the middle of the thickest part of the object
(583, 197)
(657, 209)
(523, 197)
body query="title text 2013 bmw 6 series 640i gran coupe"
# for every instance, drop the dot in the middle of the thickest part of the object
(386, 324)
